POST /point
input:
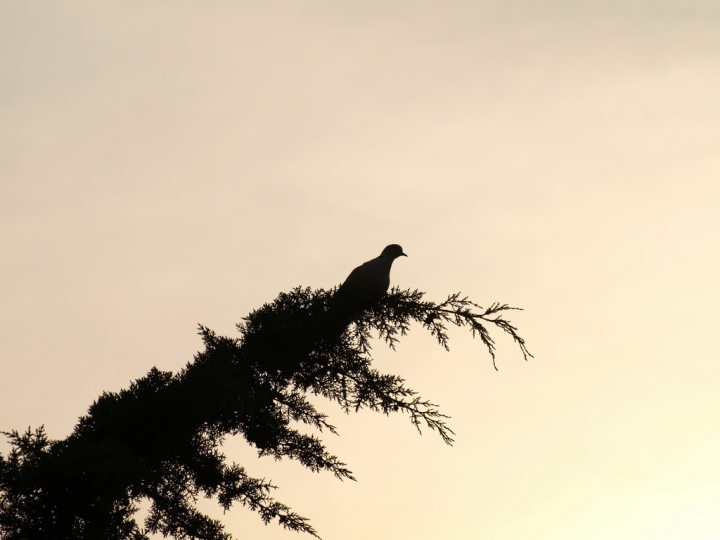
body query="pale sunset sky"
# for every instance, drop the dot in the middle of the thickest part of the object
(164, 164)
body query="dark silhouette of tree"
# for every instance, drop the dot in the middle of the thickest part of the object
(160, 437)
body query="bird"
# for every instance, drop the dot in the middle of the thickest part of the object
(372, 279)
(362, 289)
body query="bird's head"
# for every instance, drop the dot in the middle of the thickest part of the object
(393, 251)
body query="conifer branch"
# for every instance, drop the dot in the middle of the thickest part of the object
(160, 438)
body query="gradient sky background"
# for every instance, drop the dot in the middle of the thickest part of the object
(165, 164)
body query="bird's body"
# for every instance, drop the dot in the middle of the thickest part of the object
(373, 277)
(362, 289)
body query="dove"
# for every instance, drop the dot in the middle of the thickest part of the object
(362, 289)
(372, 279)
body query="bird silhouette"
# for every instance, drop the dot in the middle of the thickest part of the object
(371, 280)
(373, 277)
(361, 290)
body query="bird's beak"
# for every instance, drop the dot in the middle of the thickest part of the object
(403, 255)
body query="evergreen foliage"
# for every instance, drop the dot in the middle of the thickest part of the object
(159, 439)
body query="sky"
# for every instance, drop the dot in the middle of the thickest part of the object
(165, 164)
